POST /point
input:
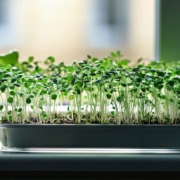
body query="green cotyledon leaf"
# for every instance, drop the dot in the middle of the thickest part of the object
(9, 58)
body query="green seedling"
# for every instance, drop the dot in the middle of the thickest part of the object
(96, 91)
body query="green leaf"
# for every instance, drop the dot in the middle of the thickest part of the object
(119, 99)
(21, 94)
(43, 92)
(51, 59)
(6, 75)
(3, 88)
(1, 107)
(16, 84)
(123, 63)
(12, 87)
(31, 96)
(13, 80)
(112, 113)
(88, 56)
(69, 78)
(71, 69)
(79, 83)
(10, 117)
(9, 58)
(159, 86)
(44, 115)
(27, 85)
(30, 59)
(10, 100)
(171, 82)
(20, 110)
(28, 100)
(54, 96)
(108, 96)
(12, 93)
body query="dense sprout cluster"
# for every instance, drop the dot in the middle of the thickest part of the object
(107, 91)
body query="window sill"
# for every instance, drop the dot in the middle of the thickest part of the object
(64, 162)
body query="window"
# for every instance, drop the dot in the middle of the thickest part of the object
(109, 21)
(7, 28)
(2, 12)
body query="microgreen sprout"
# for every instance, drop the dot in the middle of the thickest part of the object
(95, 91)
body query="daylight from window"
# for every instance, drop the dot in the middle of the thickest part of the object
(70, 30)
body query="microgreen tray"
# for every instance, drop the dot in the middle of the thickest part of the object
(90, 136)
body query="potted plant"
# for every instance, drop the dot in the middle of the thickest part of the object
(90, 104)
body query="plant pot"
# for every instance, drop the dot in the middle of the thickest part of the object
(90, 136)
